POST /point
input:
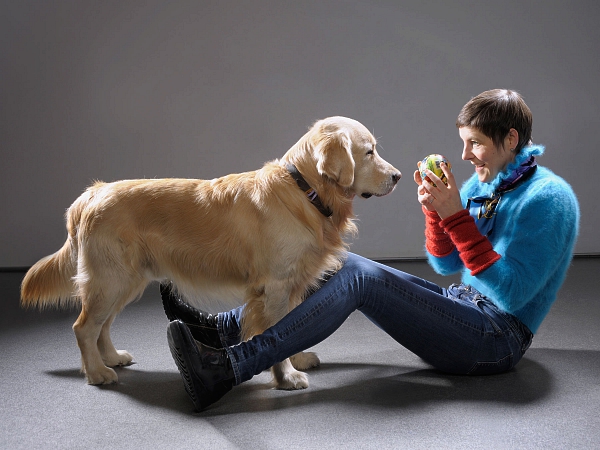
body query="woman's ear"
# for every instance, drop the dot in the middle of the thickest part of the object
(512, 139)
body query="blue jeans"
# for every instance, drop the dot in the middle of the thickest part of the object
(456, 330)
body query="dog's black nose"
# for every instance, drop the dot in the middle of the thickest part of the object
(396, 177)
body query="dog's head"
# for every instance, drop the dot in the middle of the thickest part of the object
(345, 152)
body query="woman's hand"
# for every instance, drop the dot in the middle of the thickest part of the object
(445, 199)
(423, 195)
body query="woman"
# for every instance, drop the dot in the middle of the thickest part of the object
(510, 229)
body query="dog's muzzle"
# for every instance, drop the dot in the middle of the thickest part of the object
(389, 188)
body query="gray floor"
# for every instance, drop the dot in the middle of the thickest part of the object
(368, 393)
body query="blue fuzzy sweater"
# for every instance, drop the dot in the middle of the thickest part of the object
(535, 232)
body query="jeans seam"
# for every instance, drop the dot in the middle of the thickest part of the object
(234, 365)
(478, 364)
(220, 331)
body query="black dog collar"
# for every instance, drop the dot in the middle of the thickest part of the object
(311, 194)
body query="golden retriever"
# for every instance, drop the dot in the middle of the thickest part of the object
(253, 238)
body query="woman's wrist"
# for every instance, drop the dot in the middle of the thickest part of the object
(437, 242)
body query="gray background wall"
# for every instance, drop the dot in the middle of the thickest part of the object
(143, 89)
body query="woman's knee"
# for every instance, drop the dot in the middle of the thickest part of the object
(358, 265)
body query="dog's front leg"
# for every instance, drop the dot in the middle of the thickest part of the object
(265, 306)
(305, 360)
(288, 378)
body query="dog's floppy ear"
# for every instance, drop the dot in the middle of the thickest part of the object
(333, 149)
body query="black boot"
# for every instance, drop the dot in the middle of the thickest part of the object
(206, 372)
(202, 325)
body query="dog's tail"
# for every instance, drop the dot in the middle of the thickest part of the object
(50, 281)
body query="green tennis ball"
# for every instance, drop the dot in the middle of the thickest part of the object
(432, 162)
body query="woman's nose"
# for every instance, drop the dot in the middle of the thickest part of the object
(466, 153)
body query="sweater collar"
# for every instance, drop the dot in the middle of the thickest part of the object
(524, 155)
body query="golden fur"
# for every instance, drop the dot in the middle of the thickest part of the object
(250, 238)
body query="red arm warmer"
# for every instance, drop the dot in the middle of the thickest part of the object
(437, 242)
(475, 250)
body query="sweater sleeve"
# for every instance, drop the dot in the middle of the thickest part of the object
(475, 250)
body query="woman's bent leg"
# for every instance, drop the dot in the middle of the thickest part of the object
(463, 336)
(306, 325)
(453, 335)
(313, 320)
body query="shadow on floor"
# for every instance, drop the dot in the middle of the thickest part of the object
(378, 385)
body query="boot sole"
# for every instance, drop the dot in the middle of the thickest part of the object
(178, 340)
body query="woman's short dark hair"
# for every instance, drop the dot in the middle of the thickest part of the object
(495, 112)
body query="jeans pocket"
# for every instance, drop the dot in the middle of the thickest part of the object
(492, 367)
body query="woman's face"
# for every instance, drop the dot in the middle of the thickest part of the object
(480, 150)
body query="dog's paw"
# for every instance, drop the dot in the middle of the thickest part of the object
(102, 376)
(292, 381)
(120, 358)
(305, 360)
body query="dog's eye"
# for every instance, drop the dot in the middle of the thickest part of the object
(371, 152)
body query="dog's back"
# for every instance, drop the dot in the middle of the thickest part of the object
(213, 237)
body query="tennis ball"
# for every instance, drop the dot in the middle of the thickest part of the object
(432, 162)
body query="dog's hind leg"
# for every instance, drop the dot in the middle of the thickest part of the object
(87, 328)
(111, 356)
(101, 300)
